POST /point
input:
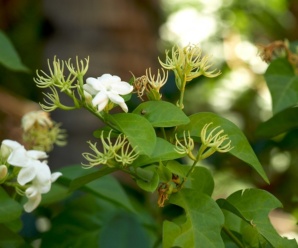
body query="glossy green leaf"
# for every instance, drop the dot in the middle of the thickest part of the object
(148, 178)
(283, 121)
(138, 130)
(162, 114)
(9, 56)
(282, 84)
(241, 147)
(9, 208)
(163, 151)
(253, 207)
(204, 220)
(105, 186)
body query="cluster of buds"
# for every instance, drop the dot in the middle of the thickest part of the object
(150, 84)
(185, 146)
(56, 79)
(26, 171)
(119, 152)
(187, 64)
(213, 141)
(40, 132)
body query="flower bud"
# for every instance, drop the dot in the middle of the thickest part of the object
(3, 172)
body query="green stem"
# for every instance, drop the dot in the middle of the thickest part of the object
(164, 133)
(233, 237)
(182, 91)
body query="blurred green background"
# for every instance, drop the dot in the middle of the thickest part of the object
(127, 35)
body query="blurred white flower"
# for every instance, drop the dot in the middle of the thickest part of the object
(40, 117)
(32, 171)
(105, 88)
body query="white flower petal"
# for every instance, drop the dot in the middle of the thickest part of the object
(99, 98)
(89, 89)
(124, 107)
(102, 105)
(115, 98)
(55, 176)
(34, 198)
(11, 144)
(36, 154)
(95, 83)
(43, 174)
(122, 88)
(18, 157)
(26, 174)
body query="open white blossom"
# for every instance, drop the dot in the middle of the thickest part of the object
(105, 88)
(33, 172)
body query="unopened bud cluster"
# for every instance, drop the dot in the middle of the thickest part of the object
(114, 154)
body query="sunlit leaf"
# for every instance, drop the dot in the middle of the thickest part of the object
(204, 220)
(241, 147)
(282, 83)
(9, 56)
(162, 114)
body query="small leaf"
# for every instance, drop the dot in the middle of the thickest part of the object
(138, 130)
(162, 114)
(204, 220)
(163, 151)
(282, 83)
(241, 147)
(9, 208)
(148, 178)
(283, 121)
(8, 55)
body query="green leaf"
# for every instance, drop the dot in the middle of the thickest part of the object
(9, 239)
(105, 186)
(9, 208)
(283, 121)
(282, 84)
(8, 55)
(85, 221)
(148, 178)
(204, 220)
(202, 180)
(165, 175)
(253, 207)
(131, 233)
(162, 114)
(241, 147)
(163, 151)
(138, 130)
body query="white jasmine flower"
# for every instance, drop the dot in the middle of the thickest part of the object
(40, 184)
(105, 88)
(32, 171)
